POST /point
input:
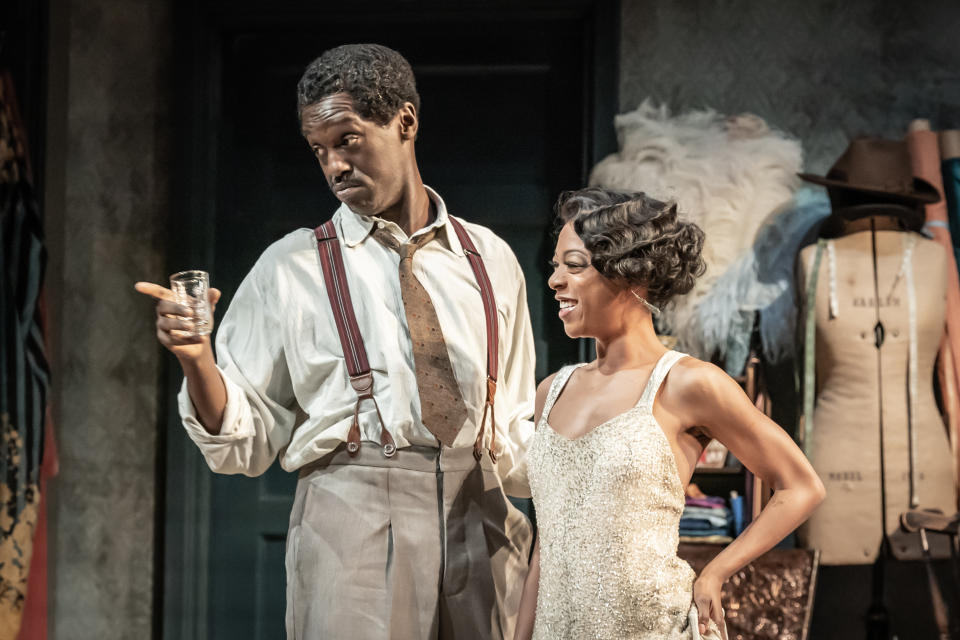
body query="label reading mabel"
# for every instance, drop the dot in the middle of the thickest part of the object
(845, 476)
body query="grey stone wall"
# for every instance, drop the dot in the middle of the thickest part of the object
(822, 70)
(107, 197)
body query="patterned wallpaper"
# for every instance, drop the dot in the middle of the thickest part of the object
(822, 70)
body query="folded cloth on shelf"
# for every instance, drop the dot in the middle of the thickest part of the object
(700, 533)
(706, 539)
(695, 527)
(719, 516)
(710, 502)
(705, 518)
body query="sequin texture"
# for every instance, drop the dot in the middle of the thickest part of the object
(609, 504)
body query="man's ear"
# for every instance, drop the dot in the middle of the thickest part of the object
(409, 121)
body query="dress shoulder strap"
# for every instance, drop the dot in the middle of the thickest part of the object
(659, 374)
(559, 382)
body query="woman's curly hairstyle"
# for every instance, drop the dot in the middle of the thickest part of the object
(636, 238)
(377, 78)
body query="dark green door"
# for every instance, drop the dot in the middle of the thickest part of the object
(505, 125)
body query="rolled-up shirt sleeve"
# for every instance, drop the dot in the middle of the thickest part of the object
(516, 392)
(261, 407)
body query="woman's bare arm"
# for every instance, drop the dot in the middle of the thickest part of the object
(714, 402)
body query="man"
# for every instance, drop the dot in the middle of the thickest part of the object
(400, 527)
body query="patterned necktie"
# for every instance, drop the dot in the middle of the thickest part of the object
(442, 409)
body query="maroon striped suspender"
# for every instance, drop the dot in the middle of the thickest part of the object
(493, 337)
(361, 379)
(355, 354)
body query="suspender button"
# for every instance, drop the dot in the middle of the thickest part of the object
(353, 447)
(389, 449)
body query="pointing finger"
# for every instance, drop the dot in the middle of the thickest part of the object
(154, 290)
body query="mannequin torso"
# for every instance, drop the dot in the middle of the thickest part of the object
(845, 447)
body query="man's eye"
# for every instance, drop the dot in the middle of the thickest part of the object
(350, 139)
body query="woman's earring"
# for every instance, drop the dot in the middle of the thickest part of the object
(654, 310)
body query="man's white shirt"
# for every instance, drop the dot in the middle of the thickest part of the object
(278, 350)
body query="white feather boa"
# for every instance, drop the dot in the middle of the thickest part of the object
(727, 174)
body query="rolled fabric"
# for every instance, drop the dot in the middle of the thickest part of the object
(951, 402)
(925, 158)
(950, 154)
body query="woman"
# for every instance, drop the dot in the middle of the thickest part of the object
(618, 438)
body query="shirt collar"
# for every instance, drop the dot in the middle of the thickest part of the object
(355, 228)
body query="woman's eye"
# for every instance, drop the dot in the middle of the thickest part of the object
(575, 265)
(552, 264)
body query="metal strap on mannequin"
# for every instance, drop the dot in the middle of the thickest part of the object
(355, 354)
(809, 349)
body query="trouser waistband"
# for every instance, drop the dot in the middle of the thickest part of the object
(412, 458)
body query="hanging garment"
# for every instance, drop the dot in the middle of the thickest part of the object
(949, 373)
(727, 174)
(862, 409)
(34, 623)
(24, 377)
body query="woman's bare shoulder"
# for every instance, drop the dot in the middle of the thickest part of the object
(694, 380)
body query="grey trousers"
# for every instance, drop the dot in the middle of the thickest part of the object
(421, 546)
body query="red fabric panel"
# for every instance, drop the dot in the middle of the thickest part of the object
(34, 623)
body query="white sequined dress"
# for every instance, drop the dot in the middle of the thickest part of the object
(608, 505)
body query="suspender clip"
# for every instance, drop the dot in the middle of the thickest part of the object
(488, 408)
(363, 385)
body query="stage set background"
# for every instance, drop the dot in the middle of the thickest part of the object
(124, 548)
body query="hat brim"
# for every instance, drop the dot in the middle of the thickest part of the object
(912, 217)
(923, 192)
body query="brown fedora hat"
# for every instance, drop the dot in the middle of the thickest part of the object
(873, 166)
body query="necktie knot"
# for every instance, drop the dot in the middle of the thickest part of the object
(406, 249)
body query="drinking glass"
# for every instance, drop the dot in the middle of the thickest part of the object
(190, 288)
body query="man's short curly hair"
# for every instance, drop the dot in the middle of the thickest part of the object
(636, 238)
(377, 78)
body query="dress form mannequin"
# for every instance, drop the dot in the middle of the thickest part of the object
(877, 301)
(845, 448)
